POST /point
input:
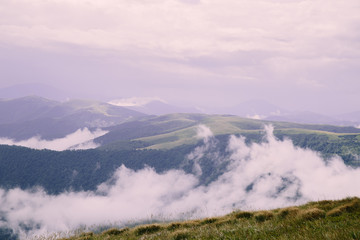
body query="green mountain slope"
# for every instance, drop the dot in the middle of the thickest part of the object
(162, 143)
(315, 220)
(174, 130)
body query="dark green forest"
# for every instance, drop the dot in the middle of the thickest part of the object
(75, 170)
(84, 170)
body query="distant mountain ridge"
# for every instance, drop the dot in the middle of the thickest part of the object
(153, 106)
(261, 109)
(255, 108)
(31, 89)
(25, 117)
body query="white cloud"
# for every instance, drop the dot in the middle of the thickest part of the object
(260, 176)
(134, 101)
(203, 132)
(256, 116)
(233, 49)
(80, 139)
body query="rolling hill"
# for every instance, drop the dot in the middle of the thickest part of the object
(174, 130)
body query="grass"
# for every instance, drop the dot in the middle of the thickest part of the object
(315, 220)
(172, 139)
(222, 125)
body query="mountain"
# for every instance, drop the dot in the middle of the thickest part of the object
(24, 109)
(256, 109)
(163, 143)
(260, 109)
(29, 89)
(30, 116)
(351, 117)
(175, 131)
(152, 106)
(304, 117)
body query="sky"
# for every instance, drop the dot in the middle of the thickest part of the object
(296, 54)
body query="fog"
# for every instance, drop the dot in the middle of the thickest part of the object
(80, 139)
(263, 175)
(134, 101)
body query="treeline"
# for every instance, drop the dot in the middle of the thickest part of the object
(76, 170)
(345, 146)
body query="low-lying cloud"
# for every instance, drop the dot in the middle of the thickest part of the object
(134, 101)
(80, 139)
(263, 175)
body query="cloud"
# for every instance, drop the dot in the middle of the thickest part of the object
(256, 116)
(174, 27)
(80, 139)
(234, 49)
(195, 156)
(134, 101)
(134, 196)
(263, 175)
(205, 133)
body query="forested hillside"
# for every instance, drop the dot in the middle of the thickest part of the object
(85, 169)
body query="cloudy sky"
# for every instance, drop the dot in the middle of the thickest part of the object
(297, 54)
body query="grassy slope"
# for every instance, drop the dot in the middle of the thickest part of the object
(315, 220)
(175, 130)
(221, 125)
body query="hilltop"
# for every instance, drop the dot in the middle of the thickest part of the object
(315, 220)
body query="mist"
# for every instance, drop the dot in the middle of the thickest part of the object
(270, 174)
(80, 139)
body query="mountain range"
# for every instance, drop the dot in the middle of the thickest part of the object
(197, 145)
(25, 117)
(256, 109)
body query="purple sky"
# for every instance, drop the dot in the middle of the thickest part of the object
(302, 55)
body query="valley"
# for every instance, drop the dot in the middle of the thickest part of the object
(211, 154)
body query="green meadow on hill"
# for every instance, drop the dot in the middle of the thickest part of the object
(163, 143)
(176, 130)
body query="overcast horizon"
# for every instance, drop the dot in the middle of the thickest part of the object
(298, 55)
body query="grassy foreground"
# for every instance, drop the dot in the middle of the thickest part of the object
(315, 220)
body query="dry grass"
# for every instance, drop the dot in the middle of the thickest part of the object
(312, 214)
(315, 220)
(263, 216)
(288, 212)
